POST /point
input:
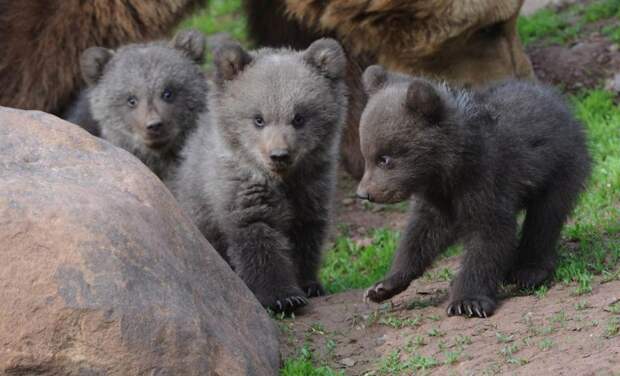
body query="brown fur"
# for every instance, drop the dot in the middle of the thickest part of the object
(468, 42)
(42, 41)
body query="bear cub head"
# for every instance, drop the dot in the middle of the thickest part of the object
(406, 132)
(278, 109)
(146, 96)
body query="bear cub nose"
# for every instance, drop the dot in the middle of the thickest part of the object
(154, 127)
(279, 156)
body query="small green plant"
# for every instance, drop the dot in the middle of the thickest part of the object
(541, 291)
(581, 305)
(614, 308)
(545, 344)
(420, 363)
(503, 338)
(304, 365)
(435, 332)
(419, 341)
(462, 340)
(452, 357)
(391, 365)
(397, 323)
(316, 329)
(613, 327)
(559, 318)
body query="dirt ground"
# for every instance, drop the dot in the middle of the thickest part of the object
(559, 333)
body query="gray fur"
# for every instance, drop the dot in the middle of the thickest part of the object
(473, 161)
(155, 129)
(268, 218)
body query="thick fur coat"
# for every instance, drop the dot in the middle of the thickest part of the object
(260, 172)
(472, 161)
(145, 98)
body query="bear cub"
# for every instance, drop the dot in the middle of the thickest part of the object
(144, 98)
(259, 174)
(472, 161)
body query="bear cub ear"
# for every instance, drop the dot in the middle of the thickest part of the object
(230, 59)
(93, 62)
(374, 79)
(192, 43)
(327, 56)
(423, 99)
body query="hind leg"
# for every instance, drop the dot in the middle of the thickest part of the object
(536, 254)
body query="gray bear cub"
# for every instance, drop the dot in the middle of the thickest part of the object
(473, 160)
(144, 98)
(259, 175)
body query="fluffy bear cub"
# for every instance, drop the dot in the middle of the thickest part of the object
(144, 98)
(472, 161)
(259, 174)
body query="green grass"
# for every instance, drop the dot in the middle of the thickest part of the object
(600, 10)
(612, 32)
(595, 228)
(350, 266)
(544, 24)
(220, 16)
(305, 365)
(561, 27)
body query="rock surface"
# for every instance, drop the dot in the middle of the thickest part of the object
(102, 274)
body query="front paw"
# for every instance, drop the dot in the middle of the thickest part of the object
(384, 290)
(474, 306)
(529, 277)
(286, 301)
(313, 289)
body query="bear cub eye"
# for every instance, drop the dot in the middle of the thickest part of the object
(298, 121)
(132, 101)
(259, 122)
(384, 162)
(167, 95)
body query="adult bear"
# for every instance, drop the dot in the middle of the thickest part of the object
(41, 42)
(467, 43)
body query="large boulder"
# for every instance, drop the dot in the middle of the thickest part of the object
(102, 274)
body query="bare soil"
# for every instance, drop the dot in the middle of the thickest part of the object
(557, 334)
(591, 61)
(560, 333)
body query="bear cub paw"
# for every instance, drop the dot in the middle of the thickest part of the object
(383, 290)
(474, 306)
(285, 301)
(529, 277)
(313, 289)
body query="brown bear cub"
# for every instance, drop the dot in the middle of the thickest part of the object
(472, 161)
(144, 98)
(259, 173)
